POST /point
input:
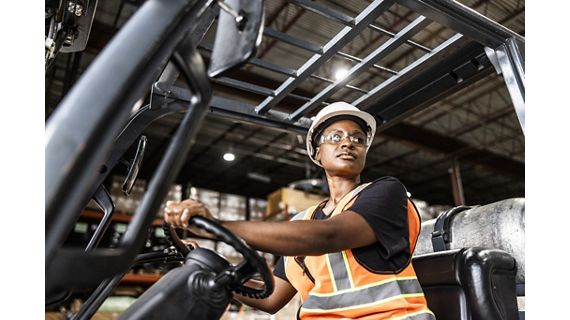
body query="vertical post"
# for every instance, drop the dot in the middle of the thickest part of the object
(508, 60)
(511, 60)
(456, 184)
(247, 209)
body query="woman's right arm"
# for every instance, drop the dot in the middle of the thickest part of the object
(282, 294)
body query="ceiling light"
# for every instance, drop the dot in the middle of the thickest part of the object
(229, 156)
(259, 177)
(340, 73)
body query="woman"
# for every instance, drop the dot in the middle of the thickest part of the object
(349, 256)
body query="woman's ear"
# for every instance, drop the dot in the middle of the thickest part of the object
(318, 154)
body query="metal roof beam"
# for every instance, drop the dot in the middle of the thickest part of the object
(438, 143)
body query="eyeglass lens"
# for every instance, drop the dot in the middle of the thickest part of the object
(336, 136)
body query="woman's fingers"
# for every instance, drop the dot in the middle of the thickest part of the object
(179, 213)
(169, 215)
(185, 217)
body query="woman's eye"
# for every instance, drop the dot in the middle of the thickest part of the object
(335, 137)
(359, 140)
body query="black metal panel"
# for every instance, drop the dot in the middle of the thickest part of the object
(84, 20)
(463, 19)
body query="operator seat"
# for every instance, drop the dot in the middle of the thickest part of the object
(469, 283)
(470, 261)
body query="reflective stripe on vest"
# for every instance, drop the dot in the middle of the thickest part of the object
(344, 288)
(337, 261)
(389, 289)
(339, 272)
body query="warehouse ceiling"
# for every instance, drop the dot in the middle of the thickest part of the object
(475, 128)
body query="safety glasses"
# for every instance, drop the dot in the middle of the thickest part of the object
(336, 136)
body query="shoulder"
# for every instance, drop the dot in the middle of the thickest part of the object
(383, 196)
(386, 184)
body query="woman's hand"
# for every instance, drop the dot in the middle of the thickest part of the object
(192, 243)
(177, 214)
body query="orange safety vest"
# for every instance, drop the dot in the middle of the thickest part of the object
(344, 289)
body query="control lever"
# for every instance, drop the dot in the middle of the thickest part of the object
(134, 167)
(104, 201)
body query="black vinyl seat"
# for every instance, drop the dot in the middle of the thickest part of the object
(469, 283)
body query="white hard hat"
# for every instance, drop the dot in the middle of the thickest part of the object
(338, 109)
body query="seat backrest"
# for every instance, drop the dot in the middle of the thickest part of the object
(469, 283)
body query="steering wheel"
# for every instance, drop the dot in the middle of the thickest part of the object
(235, 276)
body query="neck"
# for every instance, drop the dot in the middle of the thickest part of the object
(340, 186)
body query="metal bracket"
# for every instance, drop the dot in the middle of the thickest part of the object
(240, 27)
(492, 55)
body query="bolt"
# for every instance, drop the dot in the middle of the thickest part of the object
(79, 10)
(71, 7)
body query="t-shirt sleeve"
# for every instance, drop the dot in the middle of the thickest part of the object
(383, 204)
(279, 269)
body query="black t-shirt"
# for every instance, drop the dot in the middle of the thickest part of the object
(383, 204)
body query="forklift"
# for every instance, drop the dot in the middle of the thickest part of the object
(463, 276)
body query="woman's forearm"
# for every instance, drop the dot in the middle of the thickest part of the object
(305, 237)
(284, 238)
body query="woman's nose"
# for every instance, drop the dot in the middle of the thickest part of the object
(346, 142)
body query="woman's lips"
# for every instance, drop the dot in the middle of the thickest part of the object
(346, 156)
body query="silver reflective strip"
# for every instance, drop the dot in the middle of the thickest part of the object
(340, 276)
(420, 315)
(300, 215)
(426, 315)
(363, 296)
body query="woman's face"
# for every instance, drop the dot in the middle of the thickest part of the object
(344, 156)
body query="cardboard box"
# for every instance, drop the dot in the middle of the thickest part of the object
(285, 201)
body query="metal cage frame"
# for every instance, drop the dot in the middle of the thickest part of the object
(76, 148)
